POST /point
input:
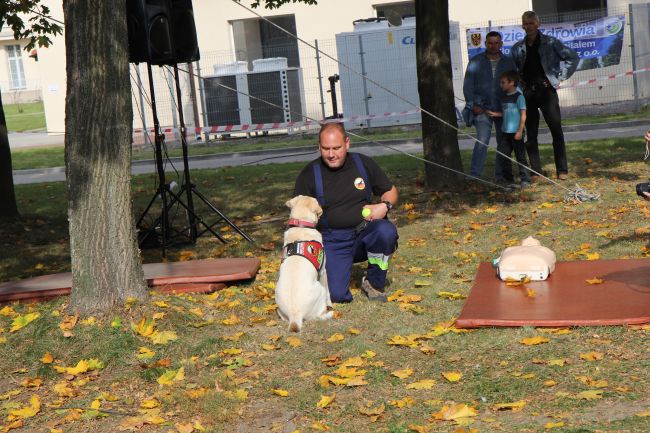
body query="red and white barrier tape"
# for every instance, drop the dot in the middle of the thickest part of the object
(603, 78)
(283, 125)
(246, 127)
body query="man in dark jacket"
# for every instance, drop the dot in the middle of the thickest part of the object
(538, 58)
(482, 94)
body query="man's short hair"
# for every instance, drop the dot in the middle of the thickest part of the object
(333, 125)
(511, 75)
(530, 15)
(493, 34)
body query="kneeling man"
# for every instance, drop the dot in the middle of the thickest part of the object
(344, 184)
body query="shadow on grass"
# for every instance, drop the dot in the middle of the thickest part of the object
(246, 194)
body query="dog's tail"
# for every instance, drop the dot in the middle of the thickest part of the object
(295, 323)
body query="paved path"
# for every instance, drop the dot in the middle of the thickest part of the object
(279, 156)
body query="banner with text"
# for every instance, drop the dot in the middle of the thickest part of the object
(598, 42)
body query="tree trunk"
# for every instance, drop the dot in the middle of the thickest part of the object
(436, 90)
(8, 208)
(106, 266)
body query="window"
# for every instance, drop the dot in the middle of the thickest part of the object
(260, 39)
(402, 9)
(569, 10)
(16, 71)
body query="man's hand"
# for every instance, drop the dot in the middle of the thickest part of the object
(646, 196)
(377, 211)
(477, 110)
(519, 135)
(494, 113)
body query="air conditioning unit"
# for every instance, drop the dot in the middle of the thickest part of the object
(270, 81)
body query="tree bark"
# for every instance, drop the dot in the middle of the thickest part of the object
(106, 265)
(8, 207)
(436, 90)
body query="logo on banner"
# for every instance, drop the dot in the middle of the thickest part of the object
(613, 27)
(476, 39)
(359, 184)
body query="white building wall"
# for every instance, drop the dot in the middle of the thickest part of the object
(322, 22)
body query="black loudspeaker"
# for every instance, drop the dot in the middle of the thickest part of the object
(186, 44)
(161, 32)
(150, 31)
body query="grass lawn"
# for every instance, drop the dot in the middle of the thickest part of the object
(242, 373)
(44, 157)
(24, 117)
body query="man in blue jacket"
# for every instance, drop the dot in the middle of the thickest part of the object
(482, 94)
(538, 58)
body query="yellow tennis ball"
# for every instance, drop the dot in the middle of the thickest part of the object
(365, 212)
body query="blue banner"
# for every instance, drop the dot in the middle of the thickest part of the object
(598, 42)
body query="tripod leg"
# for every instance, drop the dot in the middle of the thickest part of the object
(195, 219)
(217, 211)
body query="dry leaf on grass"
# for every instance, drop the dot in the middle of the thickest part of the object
(532, 341)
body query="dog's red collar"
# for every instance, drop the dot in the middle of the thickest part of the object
(293, 222)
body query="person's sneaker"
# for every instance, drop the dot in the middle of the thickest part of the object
(524, 184)
(372, 293)
(563, 176)
(513, 185)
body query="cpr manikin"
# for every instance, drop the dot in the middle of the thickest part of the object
(528, 260)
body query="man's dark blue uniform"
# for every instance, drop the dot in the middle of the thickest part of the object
(342, 193)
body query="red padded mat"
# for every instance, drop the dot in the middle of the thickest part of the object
(565, 298)
(191, 276)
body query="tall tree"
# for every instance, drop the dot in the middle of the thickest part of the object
(28, 20)
(105, 260)
(436, 90)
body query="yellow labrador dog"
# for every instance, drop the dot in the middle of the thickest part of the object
(301, 292)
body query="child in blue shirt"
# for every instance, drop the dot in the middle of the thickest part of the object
(513, 111)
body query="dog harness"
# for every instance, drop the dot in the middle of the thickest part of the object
(311, 250)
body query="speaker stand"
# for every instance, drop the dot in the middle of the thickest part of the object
(145, 233)
(192, 191)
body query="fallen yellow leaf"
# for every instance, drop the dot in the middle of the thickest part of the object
(452, 376)
(163, 337)
(595, 280)
(421, 384)
(47, 358)
(20, 322)
(405, 402)
(145, 353)
(591, 394)
(455, 412)
(232, 320)
(419, 428)
(171, 376)
(294, 341)
(550, 425)
(591, 356)
(27, 411)
(531, 341)
(325, 400)
(336, 337)
(402, 374)
(281, 392)
(515, 407)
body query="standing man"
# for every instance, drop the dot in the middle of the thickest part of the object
(482, 94)
(538, 58)
(344, 183)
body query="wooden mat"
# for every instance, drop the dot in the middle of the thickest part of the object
(195, 276)
(565, 298)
